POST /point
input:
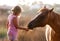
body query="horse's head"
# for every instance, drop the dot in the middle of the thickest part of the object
(42, 19)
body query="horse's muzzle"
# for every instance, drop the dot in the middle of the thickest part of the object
(30, 26)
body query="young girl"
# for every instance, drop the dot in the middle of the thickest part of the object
(13, 24)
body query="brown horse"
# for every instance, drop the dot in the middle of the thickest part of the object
(47, 16)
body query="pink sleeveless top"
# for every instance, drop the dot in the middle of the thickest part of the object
(11, 28)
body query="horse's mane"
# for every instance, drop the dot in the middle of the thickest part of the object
(56, 15)
(55, 20)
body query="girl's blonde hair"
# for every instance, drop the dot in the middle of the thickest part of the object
(16, 9)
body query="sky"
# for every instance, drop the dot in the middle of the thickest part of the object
(28, 2)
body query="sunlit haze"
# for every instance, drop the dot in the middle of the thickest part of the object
(26, 2)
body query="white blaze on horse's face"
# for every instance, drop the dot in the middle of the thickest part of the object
(39, 12)
(37, 15)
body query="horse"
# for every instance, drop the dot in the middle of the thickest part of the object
(47, 16)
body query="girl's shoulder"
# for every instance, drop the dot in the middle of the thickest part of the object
(11, 16)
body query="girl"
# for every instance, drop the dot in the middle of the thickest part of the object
(13, 24)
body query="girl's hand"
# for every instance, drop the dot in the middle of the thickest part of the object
(26, 29)
(23, 28)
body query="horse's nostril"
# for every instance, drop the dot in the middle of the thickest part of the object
(30, 26)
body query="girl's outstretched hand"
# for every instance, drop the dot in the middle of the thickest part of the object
(23, 28)
(26, 29)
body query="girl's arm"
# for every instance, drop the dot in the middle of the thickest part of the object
(16, 24)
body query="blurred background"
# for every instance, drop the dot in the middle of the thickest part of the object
(29, 11)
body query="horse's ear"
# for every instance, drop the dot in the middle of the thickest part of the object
(51, 9)
(45, 6)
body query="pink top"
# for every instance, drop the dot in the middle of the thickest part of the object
(11, 28)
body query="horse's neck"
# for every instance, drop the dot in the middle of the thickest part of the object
(55, 22)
